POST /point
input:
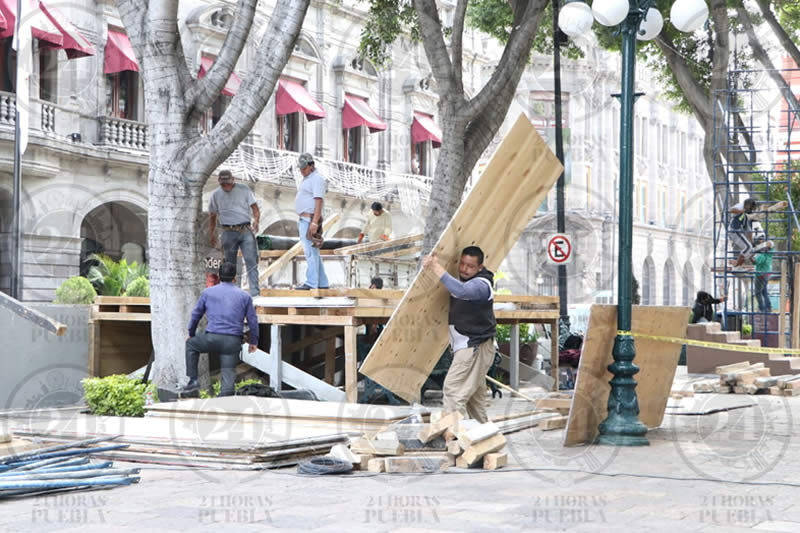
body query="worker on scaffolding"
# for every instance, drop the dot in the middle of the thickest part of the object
(763, 262)
(740, 228)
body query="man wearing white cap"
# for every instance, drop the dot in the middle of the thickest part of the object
(308, 205)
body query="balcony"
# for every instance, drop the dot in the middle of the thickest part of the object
(121, 133)
(259, 163)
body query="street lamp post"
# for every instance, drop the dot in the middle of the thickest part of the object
(636, 20)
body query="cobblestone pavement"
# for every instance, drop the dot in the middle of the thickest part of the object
(726, 472)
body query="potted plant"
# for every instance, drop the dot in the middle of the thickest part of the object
(528, 342)
(747, 331)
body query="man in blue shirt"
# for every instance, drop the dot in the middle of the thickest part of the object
(226, 307)
(472, 331)
(308, 205)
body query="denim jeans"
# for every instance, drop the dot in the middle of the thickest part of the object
(228, 346)
(232, 241)
(762, 296)
(315, 271)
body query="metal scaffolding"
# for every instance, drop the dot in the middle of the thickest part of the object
(757, 155)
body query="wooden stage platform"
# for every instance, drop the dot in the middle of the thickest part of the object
(120, 341)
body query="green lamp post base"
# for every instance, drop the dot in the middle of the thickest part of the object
(622, 426)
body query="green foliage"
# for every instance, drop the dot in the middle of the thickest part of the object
(387, 20)
(117, 395)
(75, 290)
(216, 386)
(139, 287)
(747, 330)
(494, 17)
(636, 297)
(111, 278)
(526, 333)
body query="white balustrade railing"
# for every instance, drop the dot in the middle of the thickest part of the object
(123, 133)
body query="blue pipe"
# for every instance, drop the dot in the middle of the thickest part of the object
(59, 468)
(65, 483)
(81, 451)
(74, 475)
(28, 465)
(69, 462)
(21, 456)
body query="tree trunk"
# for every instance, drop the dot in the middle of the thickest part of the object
(175, 266)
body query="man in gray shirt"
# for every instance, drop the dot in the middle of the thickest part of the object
(308, 205)
(232, 203)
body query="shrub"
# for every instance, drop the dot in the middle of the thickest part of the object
(526, 333)
(216, 386)
(111, 278)
(75, 290)
(139, 287)
(117, 395)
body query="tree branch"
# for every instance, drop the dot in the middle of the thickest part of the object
(435, 49)
(256, 89)
(761, 55)
(783, 37)
(515, 55)
(456, 44)
(696, 95)
(207, 89)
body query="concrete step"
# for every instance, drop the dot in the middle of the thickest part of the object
(724, 336)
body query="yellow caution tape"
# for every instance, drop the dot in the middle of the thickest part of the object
(707, 344)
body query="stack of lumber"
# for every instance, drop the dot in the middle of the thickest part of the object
(62, 467)
(237, 432)
(744, 378)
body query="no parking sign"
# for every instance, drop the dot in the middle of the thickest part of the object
(559, 249)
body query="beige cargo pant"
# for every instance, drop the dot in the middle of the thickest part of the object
(465, 385)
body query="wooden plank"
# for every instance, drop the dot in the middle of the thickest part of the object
(372, 246)
(434, 429)
(377, 447)
(350, 362)
(796, 308)
(402, 252)
(94, 349)
(514, 362)
(320, 320)
(474, 435)
(782, 308)
(493, 461)
(494, 214)
(290, 254)
(475, 452)
(378, 294)
(122, 317)
(657, 362)
(32, 315)
(269, 254)
(122, 300)
(553, 423)
(330, 360)
(320, 336)
(554, 372)
(419, 464)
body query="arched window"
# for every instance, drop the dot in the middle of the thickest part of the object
(668, 297)
(688, 283)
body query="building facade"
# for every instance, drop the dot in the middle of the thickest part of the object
(374, 132)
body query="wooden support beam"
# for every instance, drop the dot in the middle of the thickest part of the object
(373, 246)
(350, 362)
(94, 349)
(554, 353)
(290, 254)
(796, 308)
(514, 356)
(330, 360)
(275, 349)
(31, 315)
(782, 308)
(311, 340)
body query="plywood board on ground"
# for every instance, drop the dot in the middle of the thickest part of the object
(494, 214)
(657, 362)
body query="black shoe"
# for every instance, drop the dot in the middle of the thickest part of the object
(190, 387)
(303, 287)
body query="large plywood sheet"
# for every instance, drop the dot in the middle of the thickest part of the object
(657, 362)
(494, 214)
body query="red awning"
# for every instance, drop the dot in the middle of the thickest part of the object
(233, 83)
(119, 53)
(75, 44)
(425, 129)
(43, 29)
(357, 112)
(293, 97)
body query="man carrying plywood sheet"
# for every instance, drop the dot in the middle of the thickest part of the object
(495, 212)
(472, 330)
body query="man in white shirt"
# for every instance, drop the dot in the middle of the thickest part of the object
(378, 226)
(308, 204)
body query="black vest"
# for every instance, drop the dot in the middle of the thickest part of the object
(474, 318)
